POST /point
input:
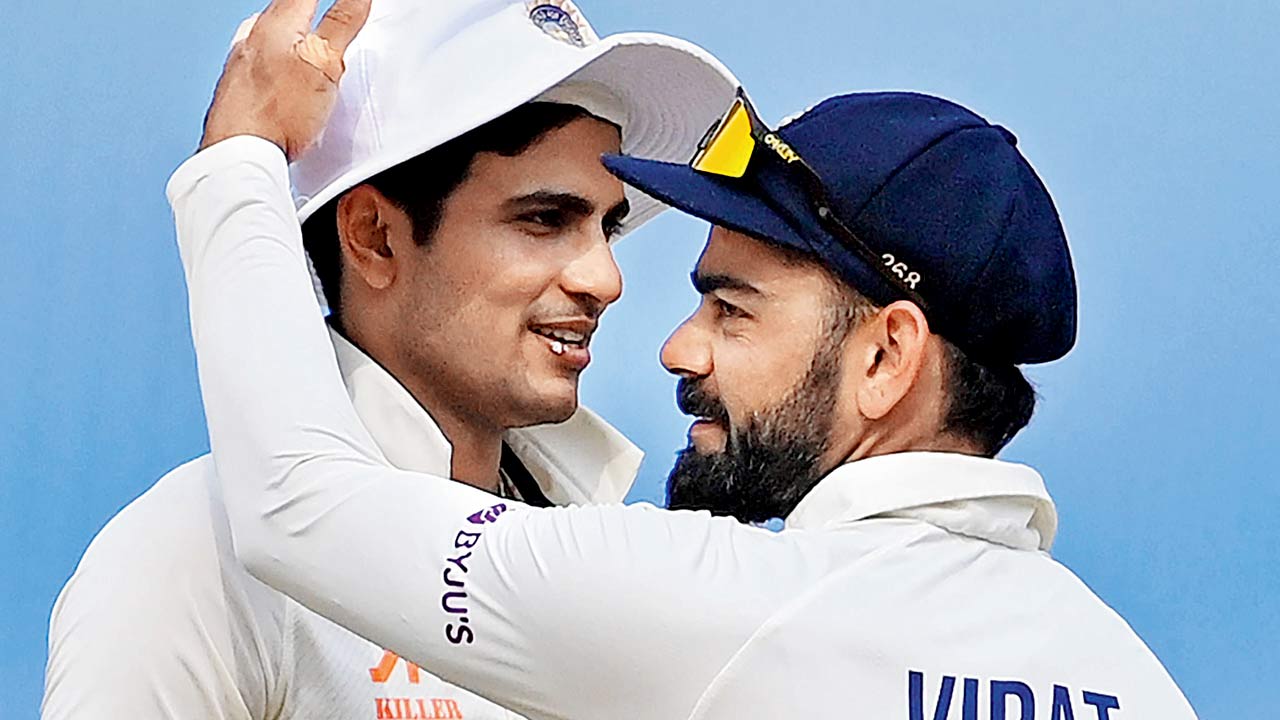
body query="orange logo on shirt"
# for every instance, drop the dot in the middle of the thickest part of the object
(382, 673)
(409, 708)
(418, 709)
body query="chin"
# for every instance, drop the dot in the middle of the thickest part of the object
(551, 405)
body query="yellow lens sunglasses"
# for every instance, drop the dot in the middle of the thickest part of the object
(727, 149)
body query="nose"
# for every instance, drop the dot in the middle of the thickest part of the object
(687, 352)
(594, 274)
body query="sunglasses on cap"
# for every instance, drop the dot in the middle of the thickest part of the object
(727, 149)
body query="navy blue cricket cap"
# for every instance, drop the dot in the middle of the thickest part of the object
(930, 187)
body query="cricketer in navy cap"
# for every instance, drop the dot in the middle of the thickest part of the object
(942, 198)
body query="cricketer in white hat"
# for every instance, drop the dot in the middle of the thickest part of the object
(423, 72)
(204, 638)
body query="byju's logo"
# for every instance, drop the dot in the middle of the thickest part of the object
(454, 600)
(488, 515)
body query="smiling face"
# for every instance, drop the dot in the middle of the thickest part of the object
(490, 321)
(761, 363)
(520, 269)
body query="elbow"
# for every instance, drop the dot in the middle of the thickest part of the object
(278, 524)
(262, 529)
(255, 551)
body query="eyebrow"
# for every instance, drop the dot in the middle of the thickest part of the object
(569, 203)
(566, 202)
(710, 282)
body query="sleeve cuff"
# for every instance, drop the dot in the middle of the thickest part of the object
(238, 150)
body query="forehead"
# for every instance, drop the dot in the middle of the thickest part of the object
(769, 269)
(564, 159)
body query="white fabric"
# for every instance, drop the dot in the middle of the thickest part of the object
(161, 621)
(1011, 508)
(421, 73)
(595, 98)
(582, 460)
(882, 599)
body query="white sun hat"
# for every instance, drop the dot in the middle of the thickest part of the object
(423, 72)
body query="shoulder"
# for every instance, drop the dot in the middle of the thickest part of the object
(173, 535)
(171, 519)
(172, 545)
(160, 579)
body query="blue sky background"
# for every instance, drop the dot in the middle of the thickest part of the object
(1154, 124)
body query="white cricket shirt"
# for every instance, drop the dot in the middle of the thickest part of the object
(161, 621)
(911, 586)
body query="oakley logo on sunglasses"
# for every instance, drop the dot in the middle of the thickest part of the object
(780, 147)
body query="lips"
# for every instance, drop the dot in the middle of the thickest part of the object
(568, 339)
(708, 434)
(563, 335)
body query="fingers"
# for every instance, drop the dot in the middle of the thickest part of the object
(293, 15)
(316, 52)
(340, 25)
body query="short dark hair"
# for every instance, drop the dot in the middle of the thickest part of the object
(421, 185)
(987, 404)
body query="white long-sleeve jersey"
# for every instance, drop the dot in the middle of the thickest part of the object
(160, 620)
(909, 586)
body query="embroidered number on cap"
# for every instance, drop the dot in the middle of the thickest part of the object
(901, 270)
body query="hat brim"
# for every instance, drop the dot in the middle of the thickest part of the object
(670, 90)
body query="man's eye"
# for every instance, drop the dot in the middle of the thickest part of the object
(551, 219)
(729, 310)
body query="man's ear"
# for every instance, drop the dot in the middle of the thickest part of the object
(368, 226)
(892, 351)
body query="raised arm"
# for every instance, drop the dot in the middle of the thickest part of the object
(315, 511)
(571, 613)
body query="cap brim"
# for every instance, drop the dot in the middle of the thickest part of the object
(739, 205)
(727, 202)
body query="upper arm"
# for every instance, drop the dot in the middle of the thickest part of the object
(148, 627)
(611, 609)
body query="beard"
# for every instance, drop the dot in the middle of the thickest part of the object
(772, 461)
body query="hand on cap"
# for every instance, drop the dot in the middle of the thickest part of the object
(281, 79)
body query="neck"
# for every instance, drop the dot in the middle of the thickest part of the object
(476, 444)
(873, 445)
(914, 424)
(477, 451)
(886, 439)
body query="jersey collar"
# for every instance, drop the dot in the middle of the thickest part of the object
(582, 460)
(994, 500)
